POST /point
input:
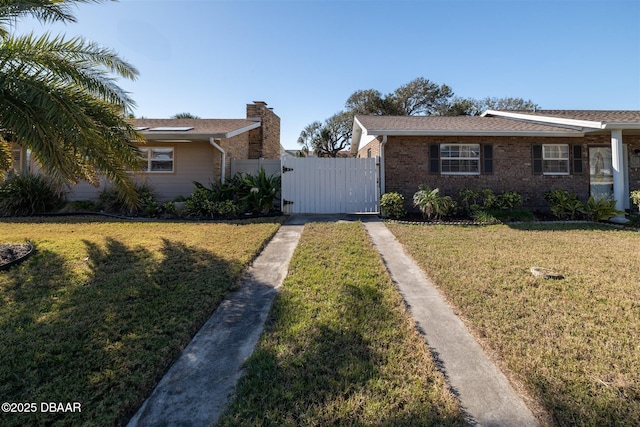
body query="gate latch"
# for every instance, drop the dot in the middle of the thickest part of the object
(286, 202)
(286, 169)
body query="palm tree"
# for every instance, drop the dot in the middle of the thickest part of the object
(59, 99)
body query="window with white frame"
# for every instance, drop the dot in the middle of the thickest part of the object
(157, 159)
(555, 159)
(460, 159)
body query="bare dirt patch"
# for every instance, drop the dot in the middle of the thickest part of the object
(11, 252)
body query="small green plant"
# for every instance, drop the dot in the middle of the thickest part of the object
(484, 217)
(228, 209)
(508, 200)
(200, 203)
(600, 209)
(392, 205)
(635, 198)
(26, 194)
(563, 205)
(110, 200)
(432, 204)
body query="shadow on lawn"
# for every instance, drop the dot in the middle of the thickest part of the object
(105, 341)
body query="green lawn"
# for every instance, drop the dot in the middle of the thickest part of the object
(339, 347)
(573, 343)
(102, 309)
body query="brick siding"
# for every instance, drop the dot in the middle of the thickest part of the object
(407, 166)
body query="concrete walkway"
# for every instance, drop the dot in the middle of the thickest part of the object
(196, 389)
(483, 390)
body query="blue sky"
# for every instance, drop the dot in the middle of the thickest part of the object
(305, 57)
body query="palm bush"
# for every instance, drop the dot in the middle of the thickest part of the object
(26, 194)
(260, 191)
(432, 204)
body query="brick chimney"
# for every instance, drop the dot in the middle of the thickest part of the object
(265, 141)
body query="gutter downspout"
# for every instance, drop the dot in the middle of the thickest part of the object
(384, 141)
(212, 141)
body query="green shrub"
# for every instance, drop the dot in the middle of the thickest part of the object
(508, 200)
(200, 203)
(563, 205)
(110, 200)
(484, 217)
(228, 209)
(600, 209)
(26, 194)
(258, 192)
(432, 204)
(392, 205)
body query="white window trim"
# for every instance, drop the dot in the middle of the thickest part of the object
(477, 159)
(567, 160)
(149, 159)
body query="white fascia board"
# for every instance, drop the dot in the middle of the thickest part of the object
(242, 130)
(545, 119)
(620, 125)
(357, 132)
(473, 133)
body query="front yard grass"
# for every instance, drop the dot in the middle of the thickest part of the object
(339, 347)
(103, 308)
(573, 343)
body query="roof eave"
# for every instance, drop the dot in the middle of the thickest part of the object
(389, 132)
(545, 119)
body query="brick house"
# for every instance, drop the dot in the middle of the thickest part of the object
(584, 152)
(180, 151)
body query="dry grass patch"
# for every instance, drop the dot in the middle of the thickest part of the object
(339, 347)
(102, 309)
(574, 342)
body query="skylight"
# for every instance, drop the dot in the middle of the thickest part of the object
(171, 129)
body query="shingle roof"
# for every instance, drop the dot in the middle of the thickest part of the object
(424, 125)
(218, 128)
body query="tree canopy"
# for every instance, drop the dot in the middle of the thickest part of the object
(59, 99)
(184, 116)
(419, 97)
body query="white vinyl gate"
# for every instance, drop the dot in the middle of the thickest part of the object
(329, 185)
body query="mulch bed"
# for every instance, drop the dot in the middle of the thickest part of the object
(12, 252)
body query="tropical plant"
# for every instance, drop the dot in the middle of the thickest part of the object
(26, 194)
(563, 204)
(600, 209)
(392, 205)
(60, 100)
(432, 204)
(260, 191)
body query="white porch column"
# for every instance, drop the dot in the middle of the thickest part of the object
(617, 161)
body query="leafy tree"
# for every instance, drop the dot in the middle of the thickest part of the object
(419, 97)
(329, 138)
(475, 107)
(184, 116)
(60, 100)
